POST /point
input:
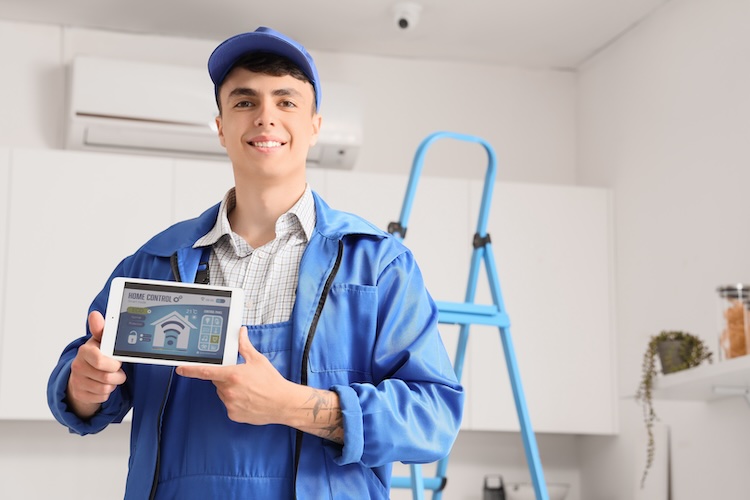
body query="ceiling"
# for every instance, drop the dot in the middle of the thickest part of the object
(526, 33)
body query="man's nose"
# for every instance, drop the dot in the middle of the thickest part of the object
(265, 116)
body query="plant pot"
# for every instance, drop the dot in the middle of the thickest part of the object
(671, 355)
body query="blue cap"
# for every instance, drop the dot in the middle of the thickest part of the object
(262, 39)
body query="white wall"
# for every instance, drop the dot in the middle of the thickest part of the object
(32, 85)
(665, 122)
(528, 116)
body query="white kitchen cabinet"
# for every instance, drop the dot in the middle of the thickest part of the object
(4, 193)
(553, 249)
(72, 217)
(198, 185)
(317, 178)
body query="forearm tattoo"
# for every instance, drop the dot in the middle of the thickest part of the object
(327, 417)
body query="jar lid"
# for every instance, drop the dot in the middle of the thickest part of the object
(737, 291)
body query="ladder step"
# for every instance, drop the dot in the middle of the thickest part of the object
(430, 483)
(465, 313)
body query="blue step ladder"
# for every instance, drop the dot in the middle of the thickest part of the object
(468, 313)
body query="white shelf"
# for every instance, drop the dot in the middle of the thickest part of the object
(707, 382)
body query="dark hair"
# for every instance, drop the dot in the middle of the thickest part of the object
(267, 64)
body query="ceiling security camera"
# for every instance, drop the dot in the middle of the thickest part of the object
(406, 15)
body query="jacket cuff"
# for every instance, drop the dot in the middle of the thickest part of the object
(354, 438)
(57, 394)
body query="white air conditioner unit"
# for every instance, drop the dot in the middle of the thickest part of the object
(156, 109)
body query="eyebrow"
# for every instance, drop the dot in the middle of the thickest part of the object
(248, 92)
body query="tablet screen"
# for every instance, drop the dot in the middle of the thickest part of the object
(162, 321)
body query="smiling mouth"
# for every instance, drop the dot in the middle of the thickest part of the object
(266, 144)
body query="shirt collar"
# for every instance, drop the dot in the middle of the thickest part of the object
(303, 210)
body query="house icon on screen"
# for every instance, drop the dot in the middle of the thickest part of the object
(172, 332)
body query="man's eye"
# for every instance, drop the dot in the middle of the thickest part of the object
(287, 104)
(243, 104)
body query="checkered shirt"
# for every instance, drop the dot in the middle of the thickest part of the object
(269, 273)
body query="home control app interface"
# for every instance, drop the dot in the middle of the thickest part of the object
(172, 322)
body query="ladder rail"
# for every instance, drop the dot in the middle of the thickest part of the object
(469, 297)
(529, 441)
(461, 312)
(418, 166)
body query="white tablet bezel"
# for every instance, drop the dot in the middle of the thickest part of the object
(235, 297)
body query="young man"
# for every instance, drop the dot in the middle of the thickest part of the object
(342, 372)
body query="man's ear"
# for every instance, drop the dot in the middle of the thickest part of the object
(316, 121)
(220, 131)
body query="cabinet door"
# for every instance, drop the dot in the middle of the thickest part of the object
(199, 185)
(4, 202)
(72, 217)
(553, 249)
(317, 178)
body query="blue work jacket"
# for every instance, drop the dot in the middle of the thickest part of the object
(363, 325)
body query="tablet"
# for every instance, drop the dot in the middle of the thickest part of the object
(172, 323)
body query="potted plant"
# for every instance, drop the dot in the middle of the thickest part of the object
(677, 351)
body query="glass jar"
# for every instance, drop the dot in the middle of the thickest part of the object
(734, 322)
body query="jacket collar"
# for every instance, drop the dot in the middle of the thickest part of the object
(335, 224)
(332, 224)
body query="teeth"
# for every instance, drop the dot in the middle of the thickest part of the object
(266, 144)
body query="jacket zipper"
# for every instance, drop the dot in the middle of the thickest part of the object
(306, 352)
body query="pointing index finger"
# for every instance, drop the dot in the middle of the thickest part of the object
(213, 373)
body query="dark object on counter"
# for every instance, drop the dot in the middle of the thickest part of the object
(493, 488)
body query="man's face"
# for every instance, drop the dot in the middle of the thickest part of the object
(267, 124)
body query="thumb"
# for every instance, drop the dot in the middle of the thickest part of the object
(96, 325)
(246, 348)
